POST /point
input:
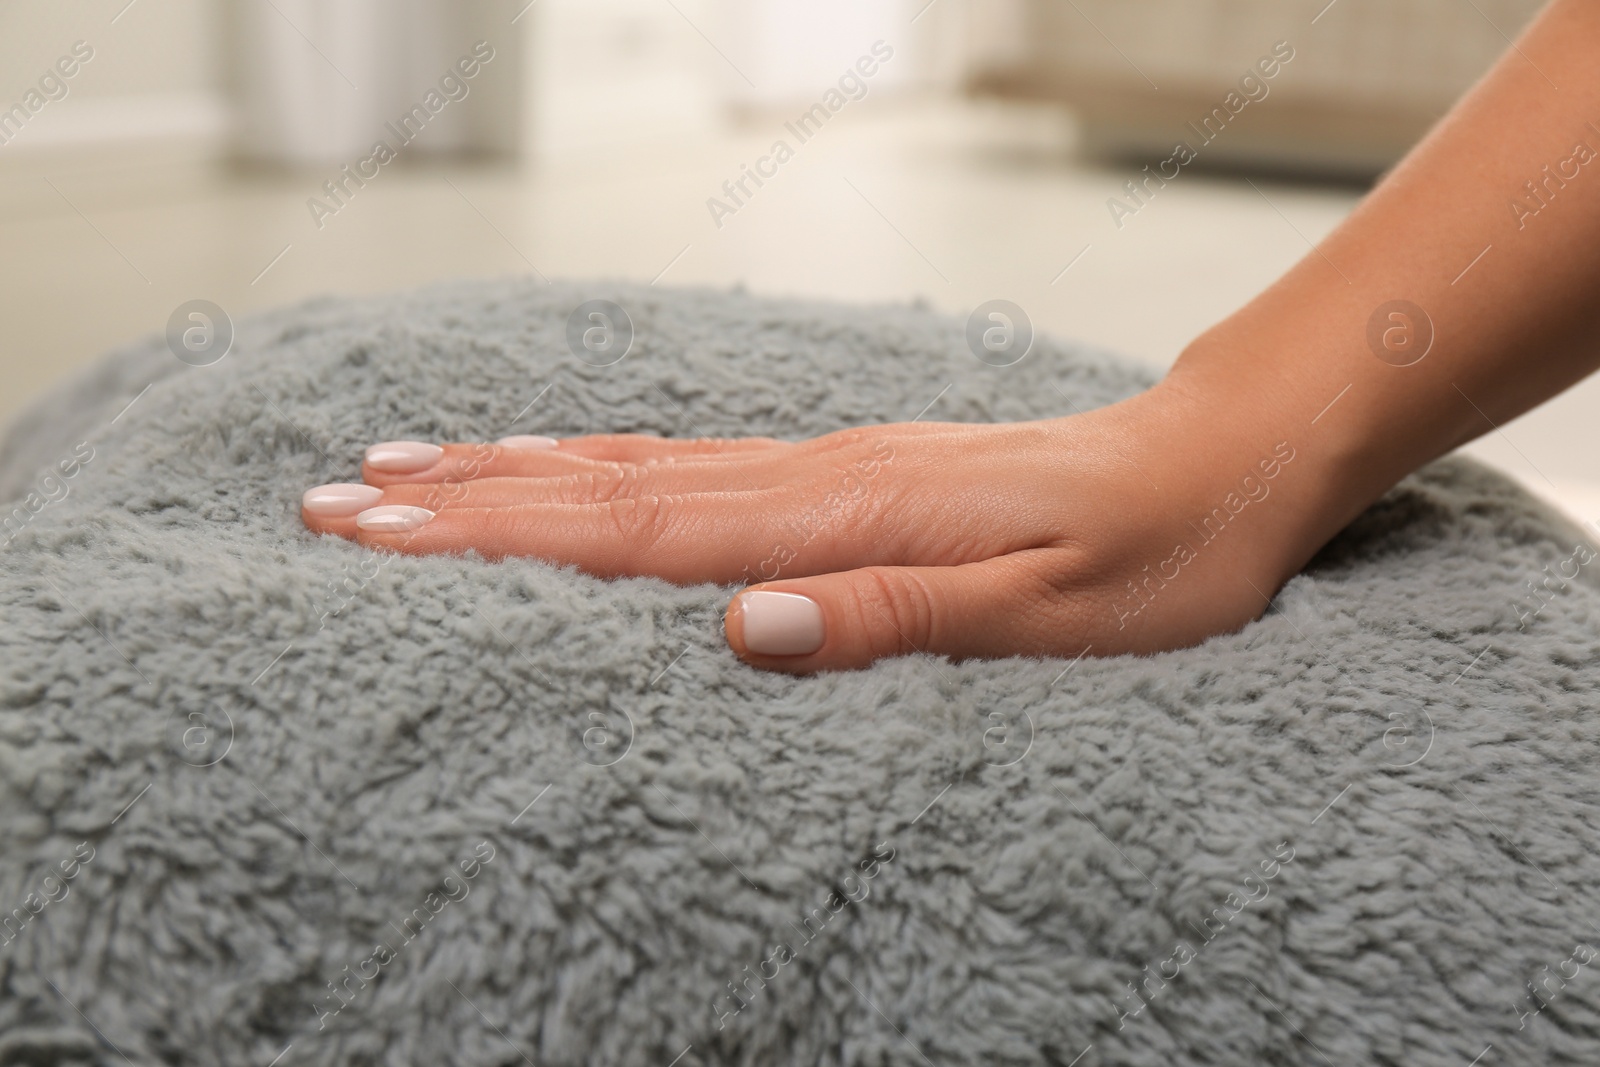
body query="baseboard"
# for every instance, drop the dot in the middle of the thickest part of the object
(192, 122)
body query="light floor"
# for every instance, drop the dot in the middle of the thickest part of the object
(952, 203)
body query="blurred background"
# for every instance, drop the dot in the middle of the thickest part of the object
(952, 151)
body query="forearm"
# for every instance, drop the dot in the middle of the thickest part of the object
(1512, 293)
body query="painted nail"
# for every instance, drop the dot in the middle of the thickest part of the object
(393, 518)
(527, 440)
(781, 624)
(340, 500)
(403, 457)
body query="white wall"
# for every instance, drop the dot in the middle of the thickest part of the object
(617, 74)
(172, 71)
(569, 75)
(154, 73)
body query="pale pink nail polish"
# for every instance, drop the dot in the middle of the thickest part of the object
(393, 518)
(340, 500)
(527, 440)
(781, 624)
(403, 457)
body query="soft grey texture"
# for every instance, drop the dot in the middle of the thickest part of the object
(1028, 885)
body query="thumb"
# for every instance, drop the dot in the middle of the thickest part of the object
(996, 607)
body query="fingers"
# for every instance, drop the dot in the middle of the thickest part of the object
(698, 537)
(637, 448)
(526, 456)
(401, 462)
(335, 508)
(790, 509)
(1002, 606)
(529, 456)
(642, 448)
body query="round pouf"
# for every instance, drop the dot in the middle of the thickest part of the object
(269, 798)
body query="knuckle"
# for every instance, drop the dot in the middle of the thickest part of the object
(852, 436)
(639, 524)
(843, 499)
(881, 514)
(896, 610)
(619, 483)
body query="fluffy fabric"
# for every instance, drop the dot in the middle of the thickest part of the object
(265, 795)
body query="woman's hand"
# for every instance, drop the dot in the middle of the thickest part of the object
(1137, 527)
(1147, 525)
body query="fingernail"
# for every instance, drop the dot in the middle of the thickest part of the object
(340, 500)
(403, 457)
(393, 518)
(527, 440)
(781, 624)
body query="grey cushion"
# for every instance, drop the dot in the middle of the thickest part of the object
(416, 811)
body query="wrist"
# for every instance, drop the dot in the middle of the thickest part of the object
(1267, 440)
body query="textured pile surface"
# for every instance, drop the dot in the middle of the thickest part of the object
(424, 811)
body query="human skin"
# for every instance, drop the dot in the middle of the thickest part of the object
(1064, 536)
